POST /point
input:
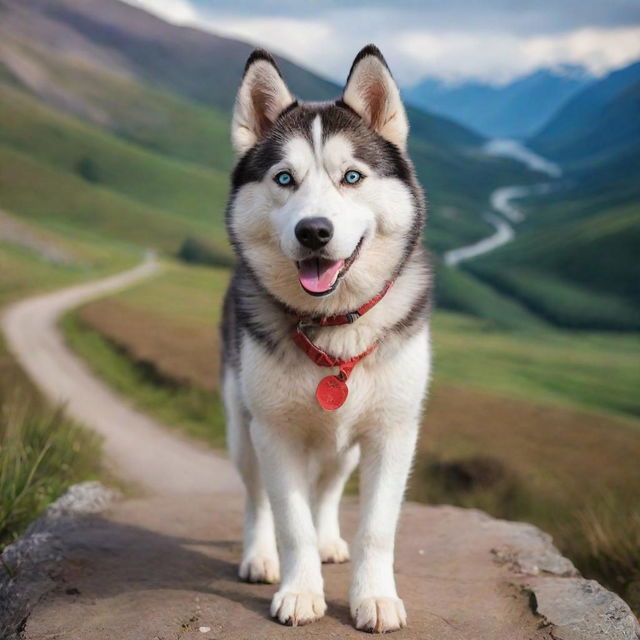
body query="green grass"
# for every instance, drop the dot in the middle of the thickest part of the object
(25, 272)
(69, 146)
(597, 372)
(563, 303)
(582, 273)
(42, 453)
(160, 121)
(65, 203)
(458, 291)
(181, 294)
(194, 411)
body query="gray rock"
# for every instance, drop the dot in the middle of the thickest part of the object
(579, 609)
(29, 566)
(531, 552)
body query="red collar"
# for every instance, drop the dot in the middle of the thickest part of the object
(345, 318)
(332, 391)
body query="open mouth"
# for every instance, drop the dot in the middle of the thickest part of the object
(320, 276)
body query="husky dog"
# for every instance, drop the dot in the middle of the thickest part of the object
(326, 332)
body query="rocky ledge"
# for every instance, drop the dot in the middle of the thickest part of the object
(165, 567)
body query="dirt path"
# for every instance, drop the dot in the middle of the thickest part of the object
(163, 567)
(141, 450)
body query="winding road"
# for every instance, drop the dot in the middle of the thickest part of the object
(135, 445)
(501, 201)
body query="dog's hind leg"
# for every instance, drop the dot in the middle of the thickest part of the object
(260, 556)
(327, 504)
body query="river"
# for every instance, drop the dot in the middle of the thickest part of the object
(502, 199)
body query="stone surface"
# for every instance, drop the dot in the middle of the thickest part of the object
(165, 567)
(534, 554)
(31, 566)
(578, 609)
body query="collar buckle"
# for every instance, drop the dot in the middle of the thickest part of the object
(305, 323)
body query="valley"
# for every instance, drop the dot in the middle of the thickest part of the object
(117, 143)
(501, 201)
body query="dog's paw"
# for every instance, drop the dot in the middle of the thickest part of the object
(379, 615)
(297, 609)
(260, 567)
(334, 551)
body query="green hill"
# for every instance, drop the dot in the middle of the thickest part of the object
(582, 274)
(65, 144)
(575, 259)
(170, 89)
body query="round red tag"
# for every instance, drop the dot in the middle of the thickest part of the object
(331, 393)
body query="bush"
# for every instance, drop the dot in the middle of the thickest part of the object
(481, 482)
(197, 251)
(86, 169)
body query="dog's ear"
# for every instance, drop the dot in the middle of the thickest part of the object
(373, 94)
(262, 96)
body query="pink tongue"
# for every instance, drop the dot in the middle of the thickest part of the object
(318, 275)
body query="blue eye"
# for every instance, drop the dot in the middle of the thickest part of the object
(352, 177)
(284, 179)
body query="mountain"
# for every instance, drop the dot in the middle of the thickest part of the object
(600, 122)
(574, 260)
(514, 110)
(121, 75)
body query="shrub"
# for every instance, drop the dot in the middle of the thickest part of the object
(197, 251)
(87, 169)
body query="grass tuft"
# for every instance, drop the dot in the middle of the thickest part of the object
(42, 452)
(609, 546)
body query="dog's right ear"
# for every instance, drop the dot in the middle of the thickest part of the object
(262, 97)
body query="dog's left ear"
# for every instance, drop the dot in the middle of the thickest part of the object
(373, 94)
(262, 97)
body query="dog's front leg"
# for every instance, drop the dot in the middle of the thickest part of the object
(385, 462)
(284, 468)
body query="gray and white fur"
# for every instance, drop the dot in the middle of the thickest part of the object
(323, 239)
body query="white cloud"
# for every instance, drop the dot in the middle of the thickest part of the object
(599, 50)
(498, 57)
(175, 11)
(299, 39)
(327, 41)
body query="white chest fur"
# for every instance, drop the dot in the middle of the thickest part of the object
(384, 388)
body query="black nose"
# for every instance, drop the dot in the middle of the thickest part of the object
(314, 233)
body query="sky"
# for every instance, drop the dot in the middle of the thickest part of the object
(492, 41)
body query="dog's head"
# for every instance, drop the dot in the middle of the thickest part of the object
(325, 207)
